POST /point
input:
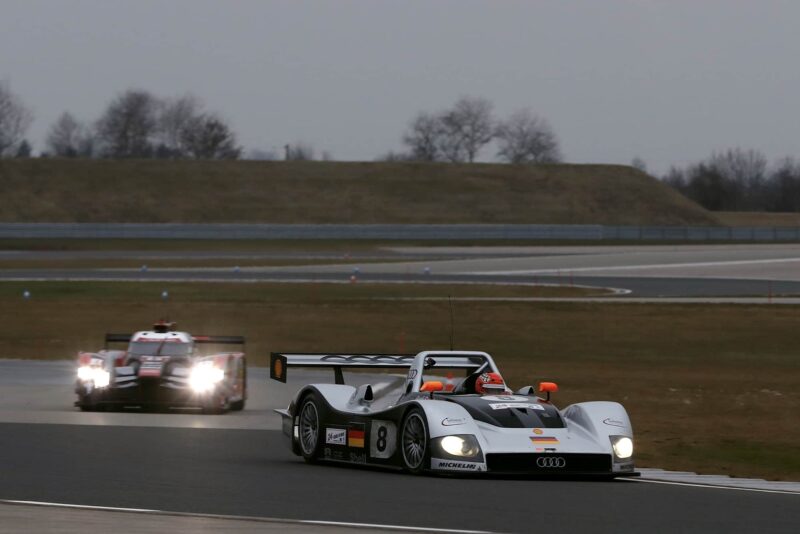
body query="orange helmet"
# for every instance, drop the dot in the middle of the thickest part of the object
(490, 383)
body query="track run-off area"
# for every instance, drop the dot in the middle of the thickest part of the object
(184, 470)
(649, 271)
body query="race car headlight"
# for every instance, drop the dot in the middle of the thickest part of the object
(204, 376)
(97, 375)
(463, 446)
(85, 373)
(623, 447)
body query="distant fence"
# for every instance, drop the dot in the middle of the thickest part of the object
(410, 232)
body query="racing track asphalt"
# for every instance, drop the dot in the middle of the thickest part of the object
(252, 473)
(646, 271)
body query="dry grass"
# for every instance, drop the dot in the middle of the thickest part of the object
(41, 190)
(710, 388)
(757, 218)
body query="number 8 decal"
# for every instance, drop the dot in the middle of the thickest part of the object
(381, 443)
(383, 439)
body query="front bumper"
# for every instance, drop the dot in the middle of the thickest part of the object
(538, 464)
(161, 394)
(557, 464)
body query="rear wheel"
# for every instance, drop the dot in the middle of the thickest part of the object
(414, 441)
(237, 406)
(309, 428)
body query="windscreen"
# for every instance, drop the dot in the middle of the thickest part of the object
(159, 348)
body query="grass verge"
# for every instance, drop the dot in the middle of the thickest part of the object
(710, 388)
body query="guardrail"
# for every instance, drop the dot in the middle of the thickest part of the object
(410, 232)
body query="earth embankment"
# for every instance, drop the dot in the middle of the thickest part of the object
(62, 190)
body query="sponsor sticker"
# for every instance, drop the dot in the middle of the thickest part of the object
(358, 457)
(355, 435)
(538, 431)
(382, 439)
(509, 405)
(336, 436)
(551, 462)
(453, 421)
(456, 465)
(505, 398)
(334, 454)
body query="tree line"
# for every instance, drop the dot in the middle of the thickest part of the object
(739, 180)
(138, 124)
(459, 133)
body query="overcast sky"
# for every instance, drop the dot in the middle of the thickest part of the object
(669, 81)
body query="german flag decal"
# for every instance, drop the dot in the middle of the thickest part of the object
(538, 440)
(355, 436)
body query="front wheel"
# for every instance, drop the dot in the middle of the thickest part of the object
(414, 441)
(215, 405)
(309, 428)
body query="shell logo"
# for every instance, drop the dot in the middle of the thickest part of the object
(538, 431)
(278, 368)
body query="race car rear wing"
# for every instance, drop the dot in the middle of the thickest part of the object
(216, 340)
(279, 362)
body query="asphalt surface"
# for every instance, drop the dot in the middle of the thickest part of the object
(252, 473)
(239, 465)
(644, 272)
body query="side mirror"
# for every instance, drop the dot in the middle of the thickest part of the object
(363, 394)
(548, 387)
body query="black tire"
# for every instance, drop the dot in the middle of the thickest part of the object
(309, 428)
(88, 403)
(216, 405)
(238, 406)
(414, 442)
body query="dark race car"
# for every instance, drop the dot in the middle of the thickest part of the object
(163, 368)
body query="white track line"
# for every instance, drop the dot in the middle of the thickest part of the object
(636, 267)
(398, 528)
(709, 486)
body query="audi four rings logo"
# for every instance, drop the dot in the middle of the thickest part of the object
(554, 462)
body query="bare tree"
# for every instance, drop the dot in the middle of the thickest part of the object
(69, 138)
(24, 150)
(639, 163)
(392, 156)
(15, 119)
(527, 138)
(175, 116)
(468, 127)
(424, 137)
(260, 154)
(128, 127)
(746, 172)
(299, 151)
(209, 137)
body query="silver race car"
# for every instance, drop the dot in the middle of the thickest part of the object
(432, 423)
